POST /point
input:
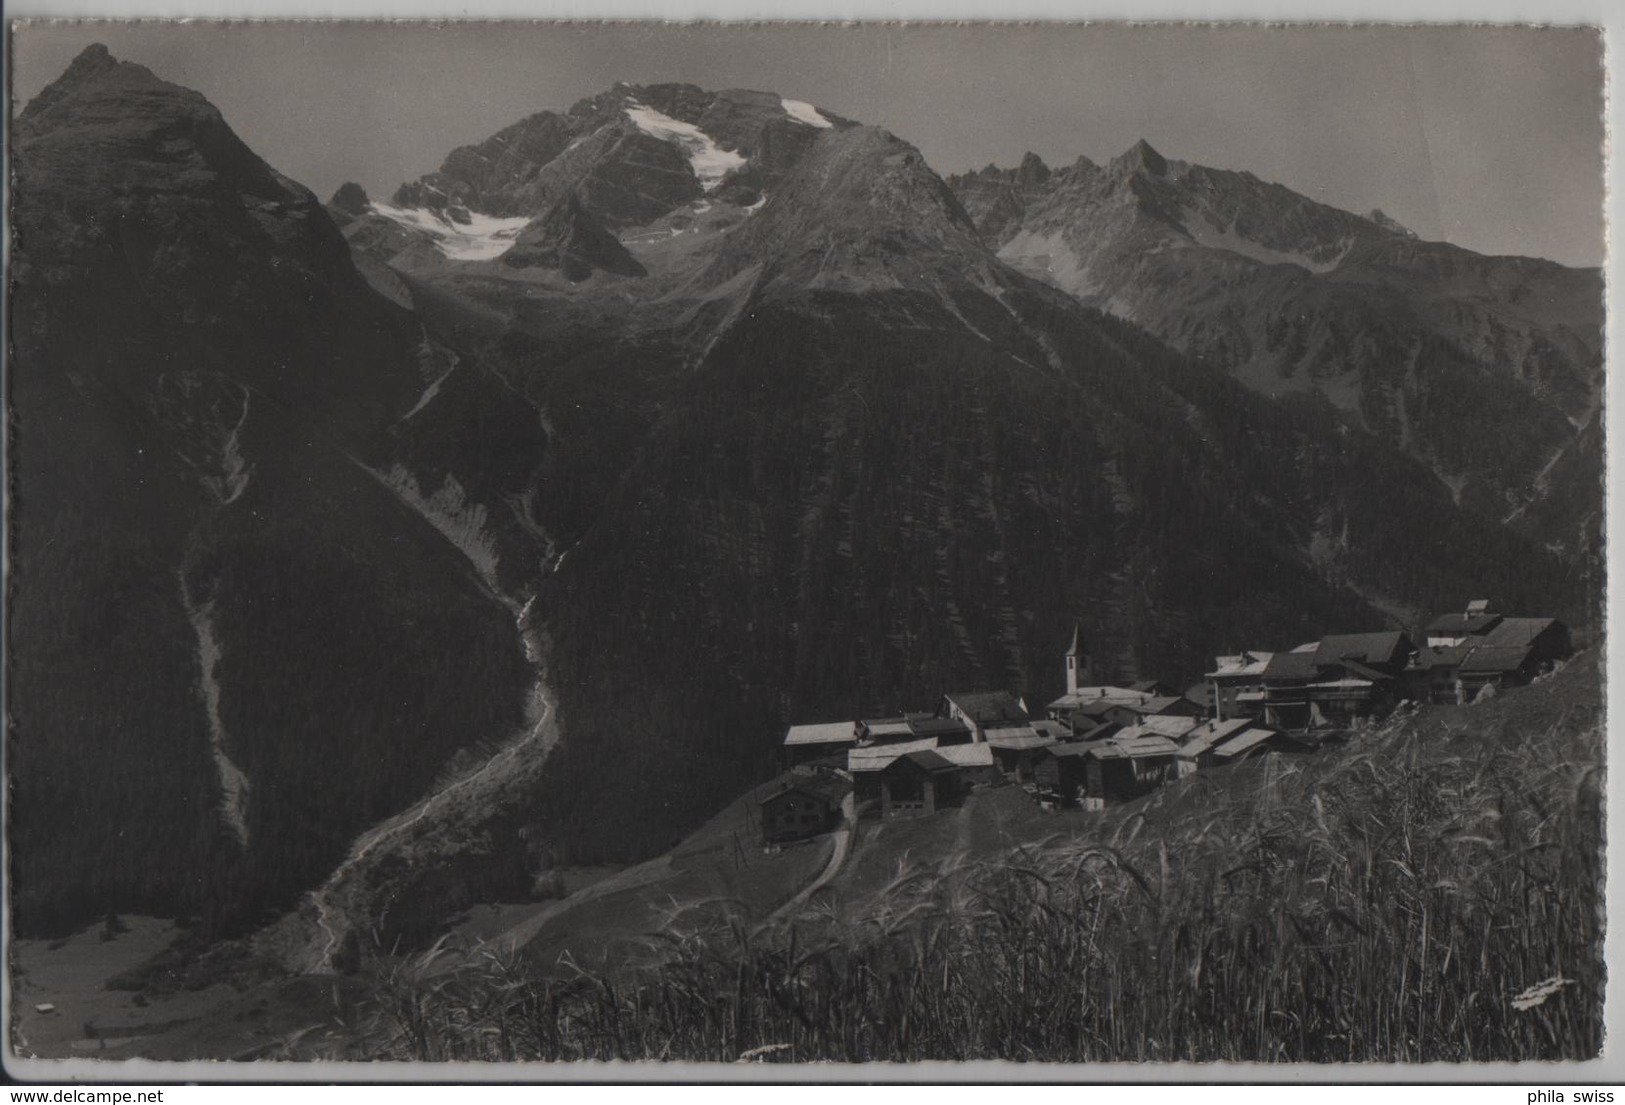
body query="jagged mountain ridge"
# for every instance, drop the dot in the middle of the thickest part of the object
(1485, 368)
(824, 455)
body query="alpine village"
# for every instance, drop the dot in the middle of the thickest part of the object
(1098, 744)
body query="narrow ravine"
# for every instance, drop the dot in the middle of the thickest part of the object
(535, 739)
(337, 900)
(235, 470)
(233, 782)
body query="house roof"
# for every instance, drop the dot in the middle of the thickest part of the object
(1017, 739)
(831, 732)
(1167, 726)
(986, 706)
(967, 755)
(1074, 749)
(1462, 623)
(1205, 736)
(887, 727)
(1097, 696)
(1517, 632)
(1135, 748)
(1098, 731)
(1044, 727)
(926, 760)
(876, 757)
(1235, 746)
(1296, 664)
(1487, 658)
(925, 725)
(1245, 663)
(1367, 648)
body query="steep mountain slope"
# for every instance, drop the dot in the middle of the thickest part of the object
(830, 455)
(1484, 368)
(235, 640)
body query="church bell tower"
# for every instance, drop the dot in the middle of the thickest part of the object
(1078, 668)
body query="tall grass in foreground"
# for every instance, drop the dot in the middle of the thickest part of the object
(1401, 899)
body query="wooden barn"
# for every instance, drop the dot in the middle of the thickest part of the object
(1017, 751)
(917, 783)
(1094, 772)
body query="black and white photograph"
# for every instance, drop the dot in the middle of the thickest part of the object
(790, 544)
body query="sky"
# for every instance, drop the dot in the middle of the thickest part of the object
(1489, 137)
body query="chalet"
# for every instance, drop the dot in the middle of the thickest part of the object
(1467, 652)
(804, 743)
(984, 712)
(1512, 653)
(802, 808)
(1335, 681)
(1237, 684)
(919, 782)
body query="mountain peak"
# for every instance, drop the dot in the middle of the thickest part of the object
(96, 55)
(1141, 157)
(1032, 170)
(93, 62)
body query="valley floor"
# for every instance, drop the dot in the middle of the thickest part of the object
(86, 1020)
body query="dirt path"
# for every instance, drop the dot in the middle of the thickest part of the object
(845, 836)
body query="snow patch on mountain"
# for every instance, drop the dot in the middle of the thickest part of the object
(482, 238)
(709, 161)
(1206, 234)
(803, 112)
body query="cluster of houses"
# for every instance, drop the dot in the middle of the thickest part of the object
(1098, 743)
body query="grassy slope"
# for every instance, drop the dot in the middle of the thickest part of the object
(1388, 900)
